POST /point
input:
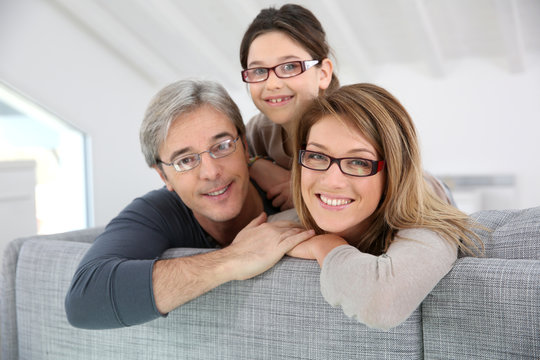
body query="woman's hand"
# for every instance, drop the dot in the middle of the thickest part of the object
(317, 247)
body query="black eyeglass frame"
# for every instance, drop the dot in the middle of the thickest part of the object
(304, 65)
(199, 159)
(376, 165)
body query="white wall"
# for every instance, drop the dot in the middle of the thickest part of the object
(478, 119)
(72, 75)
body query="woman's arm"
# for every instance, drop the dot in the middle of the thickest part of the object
(383, 291)
(380, 291)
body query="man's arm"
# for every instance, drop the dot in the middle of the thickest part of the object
(121, 281)
(255, 249)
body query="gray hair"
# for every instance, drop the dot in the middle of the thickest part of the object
(180, 98)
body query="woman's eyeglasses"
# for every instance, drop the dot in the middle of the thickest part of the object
(348, 166)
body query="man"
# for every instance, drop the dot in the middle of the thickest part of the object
(193, 136)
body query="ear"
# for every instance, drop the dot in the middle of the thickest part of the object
(163, 177)
(326, 71)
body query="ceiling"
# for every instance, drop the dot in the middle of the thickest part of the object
(164, 40)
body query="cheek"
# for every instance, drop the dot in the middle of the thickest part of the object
(255, 89)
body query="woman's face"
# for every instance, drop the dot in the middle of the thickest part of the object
(282, 100)
(339, 203)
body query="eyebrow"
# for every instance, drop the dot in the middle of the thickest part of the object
(189, 150)
(351, 152)
(281, 60)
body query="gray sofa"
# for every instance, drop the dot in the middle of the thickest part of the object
(485, 308)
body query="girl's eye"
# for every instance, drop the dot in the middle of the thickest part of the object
(289, 67)
(259, 71)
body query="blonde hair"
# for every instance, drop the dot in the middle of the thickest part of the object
(407, 200)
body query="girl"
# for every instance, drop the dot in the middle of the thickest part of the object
(285, 57)
(386, 238)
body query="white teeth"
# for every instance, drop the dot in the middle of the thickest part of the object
(219, 192)
(334, 202)
(275, 101)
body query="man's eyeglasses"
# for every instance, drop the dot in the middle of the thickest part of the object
(191, 161)
(349, 166)
(282, 71)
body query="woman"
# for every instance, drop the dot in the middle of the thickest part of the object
(286, 62)
(386, 238)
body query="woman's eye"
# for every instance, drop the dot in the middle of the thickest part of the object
(316, 157)
(359, 163)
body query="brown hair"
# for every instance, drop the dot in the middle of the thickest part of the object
(407, 200)
(298, 23)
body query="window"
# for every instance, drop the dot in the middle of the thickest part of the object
(28, 132)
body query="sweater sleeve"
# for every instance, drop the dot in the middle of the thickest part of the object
(112, 287)
(383, 291)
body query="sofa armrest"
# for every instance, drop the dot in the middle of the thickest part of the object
(484, 306)
(8, 315)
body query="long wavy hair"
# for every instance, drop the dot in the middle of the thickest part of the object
(407, 200)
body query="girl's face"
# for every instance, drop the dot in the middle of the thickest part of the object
(283, 100)
(339, 203)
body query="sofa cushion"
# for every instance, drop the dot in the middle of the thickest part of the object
(279, 314)
(514, 234)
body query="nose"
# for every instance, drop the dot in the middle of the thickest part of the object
(273, 82)
(209, 169)
(333, 177)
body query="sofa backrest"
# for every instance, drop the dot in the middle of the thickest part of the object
(277, 315)
(490, 305)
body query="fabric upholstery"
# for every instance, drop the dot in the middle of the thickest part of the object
(485, 308)
(277, 315)
(8, 314)
(513, 234)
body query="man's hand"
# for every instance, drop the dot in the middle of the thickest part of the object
(317, 247)
(255, 249)
(275, 181)
(260, 245)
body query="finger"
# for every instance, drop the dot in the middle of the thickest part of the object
(287, 205)
(285, 224)
(273, 191)
(279, 200)
(290, 242)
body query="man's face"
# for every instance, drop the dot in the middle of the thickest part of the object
(217, 188)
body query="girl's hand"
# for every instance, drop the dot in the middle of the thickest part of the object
(275, 181)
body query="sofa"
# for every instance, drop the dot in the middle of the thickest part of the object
(484, 308)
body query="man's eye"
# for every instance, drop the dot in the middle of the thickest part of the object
(187, 160)
(224, 146)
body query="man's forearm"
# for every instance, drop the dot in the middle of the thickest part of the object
(177, 281)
